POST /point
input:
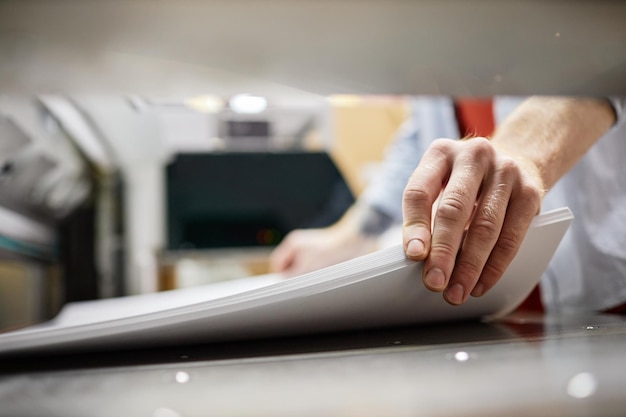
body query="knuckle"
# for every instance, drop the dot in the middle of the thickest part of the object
(485, 226)
(492, 273)
(530, 196)
(442, 145)
(486, 222)
(531, 192)
(508, 243)
(481, 142)
(477, 154)
(454, 206)
(415, 195)
(469, 267)
(439, 149)
(488, 216)
(443, 249)
(508, 168)
(480, 147)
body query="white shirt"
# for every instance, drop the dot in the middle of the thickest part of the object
(588, 270)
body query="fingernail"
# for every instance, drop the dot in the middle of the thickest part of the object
(478, 290)
(415, 248)
(435, 279)
(455, 294)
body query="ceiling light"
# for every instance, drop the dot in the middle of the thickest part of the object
(205, 104)
(247, 104)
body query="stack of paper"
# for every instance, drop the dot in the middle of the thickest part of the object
(378, 290)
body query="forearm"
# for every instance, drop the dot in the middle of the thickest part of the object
(363, 221)
(548, 135)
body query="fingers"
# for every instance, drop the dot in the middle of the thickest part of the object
(525, 203)
(290, 258)
(482, 235)
(282, 258)
(454, 212)
(306, 250)
(419, 196)
(486, 204)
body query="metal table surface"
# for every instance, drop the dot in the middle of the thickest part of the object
(524, 365)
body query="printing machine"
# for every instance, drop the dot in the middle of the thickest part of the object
(73, 74)
(44, 181)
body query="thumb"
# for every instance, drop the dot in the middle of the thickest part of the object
(416, 229)
(416, 240)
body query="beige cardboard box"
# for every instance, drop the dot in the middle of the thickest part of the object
(362, 129)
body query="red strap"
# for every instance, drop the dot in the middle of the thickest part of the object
(475, 117)
(532, 303)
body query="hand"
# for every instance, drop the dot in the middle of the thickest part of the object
(466, 210)
(304, 251)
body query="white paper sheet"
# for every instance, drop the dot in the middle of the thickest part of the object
(87, 312)
(377, 290)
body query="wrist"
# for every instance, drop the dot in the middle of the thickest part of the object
(361, 225)
(549, 135)
(373, 221)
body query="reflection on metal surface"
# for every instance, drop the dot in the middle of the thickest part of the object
(558, 369)
(182, 377)
(461, 356)
(582, 385)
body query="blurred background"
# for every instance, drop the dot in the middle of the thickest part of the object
(112, 195)
(153, 145)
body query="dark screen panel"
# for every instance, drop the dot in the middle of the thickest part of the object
(250, 199)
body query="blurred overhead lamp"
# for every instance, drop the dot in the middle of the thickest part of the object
(205, 104)
(247, 104)
(345, 100)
